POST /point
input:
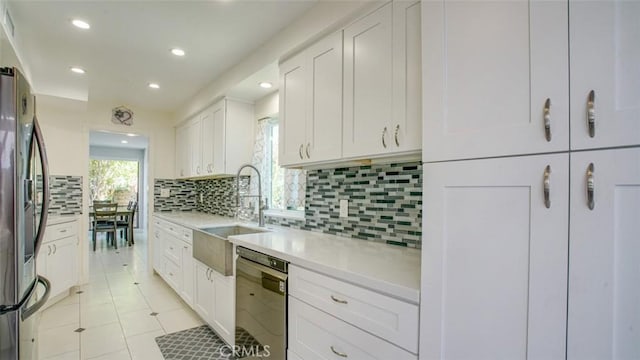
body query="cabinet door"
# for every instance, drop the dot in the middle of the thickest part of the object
(218, 138)
(62, 265)
(488, 69)
(407, 77)
(158, 250)
(203, 291)
(183, 166)
(187, 273)
(292, 128)
(208, 141)
(195, 147)
(494, 259)
(604, 276)
(368, 85)
(605, 53)
(224, 306)
(324, 104)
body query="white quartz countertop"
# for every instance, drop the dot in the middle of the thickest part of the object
(195, 220)
(389, 269)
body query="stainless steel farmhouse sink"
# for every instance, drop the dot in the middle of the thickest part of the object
(211, 246)
(226, 231)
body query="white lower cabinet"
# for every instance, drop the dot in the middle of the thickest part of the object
(187, 274)
(203, 294)
(604, 248)
(381, 315)
(158, 250)
(57, 259)
(214, 300)
(329, 318)
(314, 334)
(494, 259)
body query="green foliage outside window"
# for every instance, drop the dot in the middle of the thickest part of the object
(115, 180)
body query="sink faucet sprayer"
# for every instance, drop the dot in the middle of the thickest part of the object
(261, 205)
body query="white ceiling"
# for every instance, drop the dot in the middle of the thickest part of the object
(112, 139)
(129, 41)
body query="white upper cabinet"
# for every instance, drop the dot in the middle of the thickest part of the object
(195, 145)
(216, 141)
(494, 258)
(407, 77)
(604, 53)
(368, 84)
(183, 155)
(311, 99)
(208, 140)
(489, 68)
(324, 99)
(293, 122)
(604, 276)
(382, 83)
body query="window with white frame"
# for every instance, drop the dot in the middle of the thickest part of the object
(283, 188)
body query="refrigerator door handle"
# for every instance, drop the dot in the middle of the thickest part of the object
(35, 307)
(37, 133)
(4, 309)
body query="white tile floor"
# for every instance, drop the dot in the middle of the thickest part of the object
(114, 311)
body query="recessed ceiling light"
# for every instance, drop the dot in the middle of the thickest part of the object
(77, 70)
(177, 52)
(266, 85)
(80, 24)
(154, 86)
(124, 141)
(132, 135)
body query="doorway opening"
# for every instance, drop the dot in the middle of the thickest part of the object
(116, 181)
(118, 174)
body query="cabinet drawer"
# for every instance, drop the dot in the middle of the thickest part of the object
(173, 249)
(173, 229)
(381, 315)
(61, 231)
(187, 235)
(173, 274)
(314, 334)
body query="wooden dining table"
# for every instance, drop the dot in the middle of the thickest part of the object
(121, 212)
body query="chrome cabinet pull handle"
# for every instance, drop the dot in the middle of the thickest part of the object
(396, 135)
(591, 113)
(198, 170)
(339, 301)
(547, 119)
(591, 186)
(307, 151)
(300, 151)
(55, 248)
(49, 252)
(384, 133)
(547, 187)
(338, 353)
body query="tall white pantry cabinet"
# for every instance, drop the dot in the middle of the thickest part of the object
(531, 215)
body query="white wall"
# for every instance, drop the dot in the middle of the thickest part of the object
(323, 18)
(66, 125)
(267, 106)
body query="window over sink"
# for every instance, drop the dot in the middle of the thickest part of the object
(284, 188)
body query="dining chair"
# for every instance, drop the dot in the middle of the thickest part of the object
(105, 220)
(126, 222)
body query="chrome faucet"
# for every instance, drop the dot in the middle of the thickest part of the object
(261, 206)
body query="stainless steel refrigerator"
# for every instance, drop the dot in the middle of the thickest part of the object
(24, 201)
